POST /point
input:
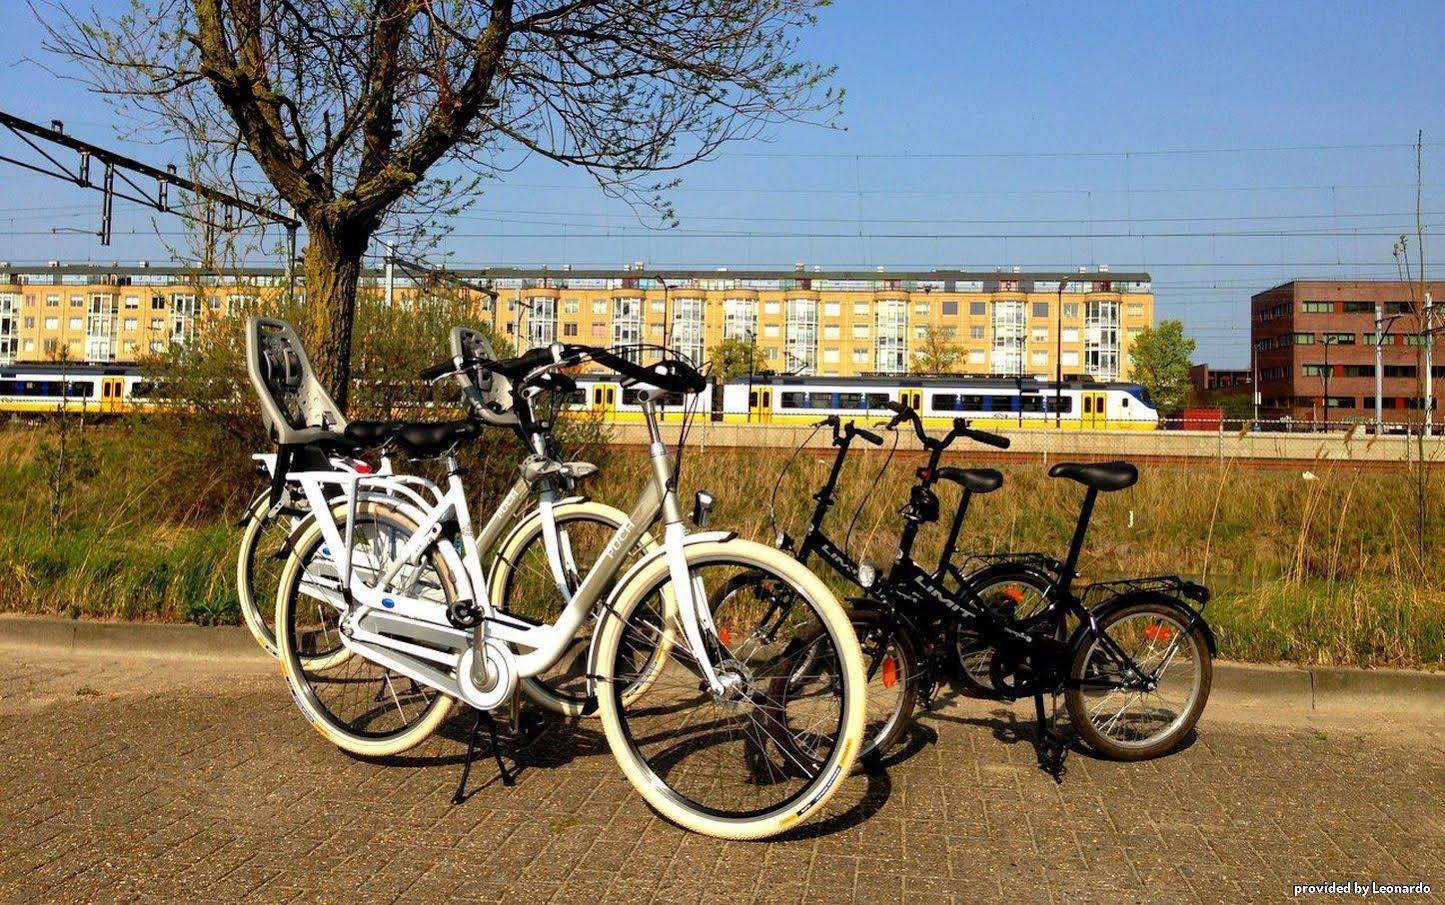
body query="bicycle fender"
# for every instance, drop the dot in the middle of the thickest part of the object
(1193, 615)
(608, 608)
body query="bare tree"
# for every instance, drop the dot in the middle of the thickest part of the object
(362, 114)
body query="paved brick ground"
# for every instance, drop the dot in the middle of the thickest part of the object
(128, 778)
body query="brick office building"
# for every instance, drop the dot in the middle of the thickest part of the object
(1313, 342)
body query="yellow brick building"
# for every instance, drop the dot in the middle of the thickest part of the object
(824, 323)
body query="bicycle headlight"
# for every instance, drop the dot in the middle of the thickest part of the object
(702, 509)
(867, 574)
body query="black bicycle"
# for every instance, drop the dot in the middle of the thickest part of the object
(1012, 581)
(1132, 658)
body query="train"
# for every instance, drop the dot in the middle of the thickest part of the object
(45, 389)
(987, 402)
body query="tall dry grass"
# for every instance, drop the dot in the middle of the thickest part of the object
(1321, 570)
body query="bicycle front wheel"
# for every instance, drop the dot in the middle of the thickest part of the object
(771, 746)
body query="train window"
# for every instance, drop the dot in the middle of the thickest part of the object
(850, 400)
(1000, 403)
(1031, 404)
(143, 388)
(1064, 404)
(80, 389)
(945, 402)
(795, 400)
(575, 397)
(634, 397)
(878, 400)
(753, 399)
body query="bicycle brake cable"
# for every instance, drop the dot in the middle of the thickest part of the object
(773, 498)
(853, 523)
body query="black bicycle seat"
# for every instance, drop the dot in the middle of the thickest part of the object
(974, 480)
(1105, 476)
(371, 434)
(427, 440)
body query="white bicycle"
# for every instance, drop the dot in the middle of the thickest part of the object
(740, 740)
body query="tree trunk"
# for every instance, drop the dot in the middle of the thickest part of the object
(332, 271)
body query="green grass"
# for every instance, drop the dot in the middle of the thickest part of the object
(1326, 571)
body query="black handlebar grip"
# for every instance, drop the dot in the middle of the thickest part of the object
(440, 369)
(868, 435)
(987, 438)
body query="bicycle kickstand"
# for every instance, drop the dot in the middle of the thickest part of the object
(506, 774)
(1052, 748)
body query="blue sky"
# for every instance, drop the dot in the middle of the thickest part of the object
(978, 135)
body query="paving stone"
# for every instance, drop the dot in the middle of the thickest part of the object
(200, 781)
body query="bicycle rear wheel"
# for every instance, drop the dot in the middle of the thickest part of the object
(258, 570)
(522, 584)
(728, 764)
(359, 706)
(1019, 593)
(1117, 714)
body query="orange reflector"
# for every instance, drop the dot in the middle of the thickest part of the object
(724, 636)
(890, 672)
(1158, 633)
(1014, 594)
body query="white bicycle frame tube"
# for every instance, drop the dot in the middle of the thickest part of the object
(544, 643)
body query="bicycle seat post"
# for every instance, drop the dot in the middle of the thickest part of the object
(1076, 544)
(951, 543)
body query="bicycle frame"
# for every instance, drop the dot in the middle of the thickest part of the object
(408, 620)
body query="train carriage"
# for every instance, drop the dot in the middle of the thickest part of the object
(45, 389)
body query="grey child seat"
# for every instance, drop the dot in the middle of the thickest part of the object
(295, 407)
(487, 394)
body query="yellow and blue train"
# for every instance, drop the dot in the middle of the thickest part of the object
(988, 402)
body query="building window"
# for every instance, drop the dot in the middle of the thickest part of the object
(76, 323)
(541, 316)
(1134, 309)
(1340, 339)
(831, 331)
(1101, 339)
(659, 306)
(1071, 334)
(1041, 309)
(132, 302)
(1007, 356)
(130, 324)
(1071, 359)
(860, 331)
(802, 338)
(772, 308)
(1071, 310)
(687, 328)
(860, 356)
(52, 301)
(570, 306)
(860, 309)
(158, 303)
(1358, 307)
(599, 306)
(832, 309)
(1317, 307)
(1038, 359)
(740, 319)
(52, 323)
(949, 309)
(891, 345)
(770, 331)
(921, 309)
(569, 329)
(977, 309)
(1304, 339)
(626, 321)
(158, 323)
(830, 356)
(1040, 334)
(77, 301)
(977, 331)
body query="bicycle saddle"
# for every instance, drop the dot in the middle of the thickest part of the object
(427, 440)
(974, 480)
(371, 434)
(1105, 476)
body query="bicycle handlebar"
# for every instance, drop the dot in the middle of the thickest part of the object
(960, 429)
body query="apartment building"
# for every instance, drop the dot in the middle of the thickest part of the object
(797, 321)
(1314, 346)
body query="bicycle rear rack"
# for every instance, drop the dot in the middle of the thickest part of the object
(1163, 584)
